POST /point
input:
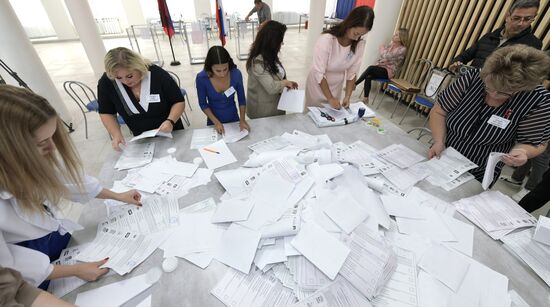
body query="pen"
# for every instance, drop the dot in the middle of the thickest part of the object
(211, 150)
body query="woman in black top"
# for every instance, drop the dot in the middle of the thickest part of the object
(502, 108)
(144, 94)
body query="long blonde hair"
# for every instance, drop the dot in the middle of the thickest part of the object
(29, 176)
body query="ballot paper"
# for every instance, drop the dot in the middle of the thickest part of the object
(151, 134)
(536, 255)
(449, 166)
(370, 264)
(271, 144)
(179, 185)
(270, 254)
(236, 289)
(114, 294)
(203, 137)
(403, 179)
(156, 214)
(306, 275)
(135, 155)
(489, 174)
(168, 165)
(63, 286)
(445, 265)
(237, 181)
(427, 200)
(432, 226)
(403, 207)
(463, 232)
(232, 210)
(125, 249)
(340, 293)
(400, 155)
(361, 155)
(345, 211)
(401, 289)
(292, 100)
(495, 213)
(237, 247)
(148, 184)
(217, 154)
(233, 133)
(462, 179)
(288, 225)
(322, 249)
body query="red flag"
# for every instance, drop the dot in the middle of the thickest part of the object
(220, 20)
(165, 18)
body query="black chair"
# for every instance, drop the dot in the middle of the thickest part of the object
(184, 116)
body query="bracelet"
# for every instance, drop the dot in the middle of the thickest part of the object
(171, 121)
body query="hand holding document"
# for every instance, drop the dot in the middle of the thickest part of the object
(292, 100)
(217, 155)
(489, 174)
(151, 134)
(233, 132)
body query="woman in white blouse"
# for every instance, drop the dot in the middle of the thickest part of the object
(38, 166)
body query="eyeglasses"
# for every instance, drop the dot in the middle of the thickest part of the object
(328, 117)
(518, 19)
(497, 94)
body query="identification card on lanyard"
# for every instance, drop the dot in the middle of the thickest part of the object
(230, 91)
(498, 121)
(153, 98)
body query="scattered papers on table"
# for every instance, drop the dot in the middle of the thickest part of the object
(135, 155)
(151, 134)
(400, 155)
(217, 154)
(115, 294)
(292, 100)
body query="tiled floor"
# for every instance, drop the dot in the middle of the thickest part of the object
(67, 61)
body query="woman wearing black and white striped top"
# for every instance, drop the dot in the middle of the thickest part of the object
(502, 108)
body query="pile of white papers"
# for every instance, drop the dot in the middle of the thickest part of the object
(327, 116)
(203, 137)
(495, 213)
(135, 155)
(446, 169)
(400, 155)
(535, 254)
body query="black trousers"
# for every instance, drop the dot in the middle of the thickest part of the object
(538, 196)
(372, 72)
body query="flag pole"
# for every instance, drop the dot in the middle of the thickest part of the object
(174, 62)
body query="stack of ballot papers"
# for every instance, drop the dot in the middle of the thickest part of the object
(495, 213)
(450, 170)
(131, 235)
(135, 155)
(536, 255)
(326, 116)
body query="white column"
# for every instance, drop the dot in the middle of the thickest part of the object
(89, 35)
(134, 12)
(315, 25)
(59, 19)
(386, 14)
(19, 54)
(202, 7)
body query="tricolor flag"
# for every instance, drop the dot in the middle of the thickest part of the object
(220, 20)
(165, 19)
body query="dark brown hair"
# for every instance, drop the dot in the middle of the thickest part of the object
(361, 16)
(268, 44)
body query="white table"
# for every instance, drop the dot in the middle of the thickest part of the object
(190, 285)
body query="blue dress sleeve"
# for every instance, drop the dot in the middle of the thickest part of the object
(200, 83)
(240, 87)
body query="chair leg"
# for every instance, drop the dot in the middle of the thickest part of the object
(396, 104)
(405, 113)
(381, 99)
(188, 102)
(85, 125)
(185, 119)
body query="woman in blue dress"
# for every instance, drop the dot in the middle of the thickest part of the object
(217, 85)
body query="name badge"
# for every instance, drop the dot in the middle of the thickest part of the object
(230, 91)
(498, 121)
(153, 98)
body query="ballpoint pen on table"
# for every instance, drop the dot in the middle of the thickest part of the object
(211, 150)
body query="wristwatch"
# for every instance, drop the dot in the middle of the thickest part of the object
(171, 121)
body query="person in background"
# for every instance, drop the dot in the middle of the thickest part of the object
(15, 292)
(263, 10)
(537, 197)
(535, 168)
(266, 74)
(39, 165)
(337, 58)
(502, 108)
(217, 85)
(144, 94)
(388, 63)
(516, 30)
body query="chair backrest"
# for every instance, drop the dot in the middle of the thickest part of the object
(434, 80)
(175, 77)
(82, 94)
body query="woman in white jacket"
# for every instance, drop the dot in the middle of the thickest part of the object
(38, 166)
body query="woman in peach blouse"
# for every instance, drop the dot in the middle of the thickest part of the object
(391, 58)
(337, 58)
